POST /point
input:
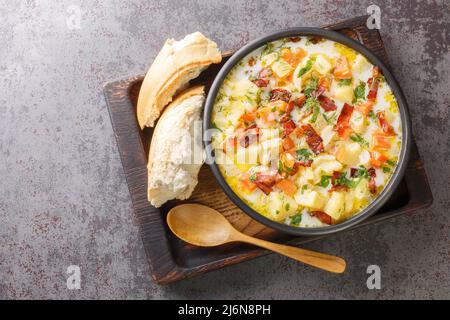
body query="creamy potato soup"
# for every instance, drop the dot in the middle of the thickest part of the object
(308, 131)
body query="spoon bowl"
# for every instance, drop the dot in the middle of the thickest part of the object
(199, 225)
(203, 226)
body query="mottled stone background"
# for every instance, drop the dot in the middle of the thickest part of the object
(63, 196)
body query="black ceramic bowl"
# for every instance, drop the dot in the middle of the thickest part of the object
(403, 110)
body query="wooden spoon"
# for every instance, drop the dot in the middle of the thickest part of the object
(203, 226)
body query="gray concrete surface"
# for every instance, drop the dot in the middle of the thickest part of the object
(63, 196)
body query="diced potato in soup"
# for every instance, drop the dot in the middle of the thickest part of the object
(344, 94)
(310, 131)
(336, 205)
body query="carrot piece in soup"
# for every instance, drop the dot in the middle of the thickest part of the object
(377, 158)
(342, 69)
(293, 57)
(287, 186)
(380, 142)
(288, 144)
(245, 182)
(365, 107)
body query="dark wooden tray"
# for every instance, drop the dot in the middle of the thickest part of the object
(171, 259)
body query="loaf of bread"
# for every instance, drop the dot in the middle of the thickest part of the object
(176, 153)
(176, 64)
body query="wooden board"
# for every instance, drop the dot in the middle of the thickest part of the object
(171, 259)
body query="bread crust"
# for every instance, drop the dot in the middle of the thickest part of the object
(184, 95)
(176, 64)
(165, 168)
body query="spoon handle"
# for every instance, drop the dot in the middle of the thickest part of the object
(316, 259)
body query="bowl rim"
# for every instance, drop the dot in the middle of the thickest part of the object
(403, 111)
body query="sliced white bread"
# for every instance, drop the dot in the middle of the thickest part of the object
(176, 64)
(176, 154)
